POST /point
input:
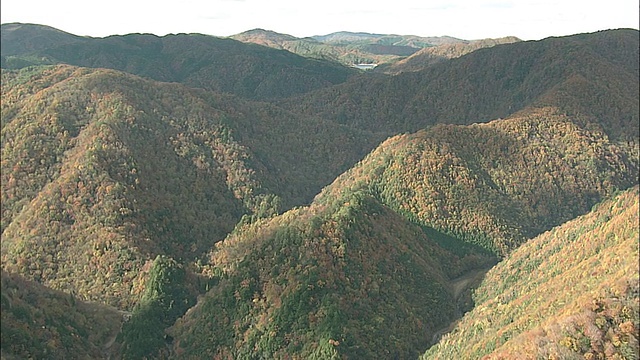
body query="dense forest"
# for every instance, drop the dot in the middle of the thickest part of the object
(190, 196)
(526, 305)
(587, 75)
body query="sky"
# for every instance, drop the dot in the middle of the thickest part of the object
(465, 19)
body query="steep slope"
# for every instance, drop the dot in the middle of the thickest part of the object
(102, 171)
(433, 55)
(495, 184)
(350, 279)
(591, 75)
(94, 183)
(195, 60)
(119, 189)
(40, 323)
(414, 223)
(571, 293)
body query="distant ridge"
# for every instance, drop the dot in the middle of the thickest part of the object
(358, 48)
(346, 36)
(18, 38)
(196, 60)
(594, 75)
(347, 53)
(432, 55)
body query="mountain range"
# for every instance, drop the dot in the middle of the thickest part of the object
(190, 196)
(408, 52)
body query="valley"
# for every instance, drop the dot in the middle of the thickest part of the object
(256, 197)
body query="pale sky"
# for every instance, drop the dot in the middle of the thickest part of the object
(466, 19)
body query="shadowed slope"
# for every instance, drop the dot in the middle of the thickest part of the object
(195, 60)
(590, 75)
(38, 322)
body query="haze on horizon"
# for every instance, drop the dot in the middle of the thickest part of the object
(467, 19)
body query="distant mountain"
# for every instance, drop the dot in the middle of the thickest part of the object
(265, 37)
(569, 293)
(593, 76)
(433, 55)
(352, 48)
(17, 39)
(312, 48)
(346, 36)
(195, 60)
(343, 37)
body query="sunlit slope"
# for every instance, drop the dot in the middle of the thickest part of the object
(570, 293)
(495, 184)
(103, 170)
(432, 55)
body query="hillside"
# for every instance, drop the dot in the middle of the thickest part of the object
(195, 60)
(495, 184)
(227, 222)
(102, 171)
(537, 304)
(348, 279)
(593, 76)
(41, 323)
(432, 55)
(414, 223)
(39, 37)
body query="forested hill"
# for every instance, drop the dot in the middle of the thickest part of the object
(102, 170)
(570, 293)
(290, 228)
(40, 323)
(369, 269)
(22, 39)
(433, 55)
(195, 60)
(495, 184)
(591, 75)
